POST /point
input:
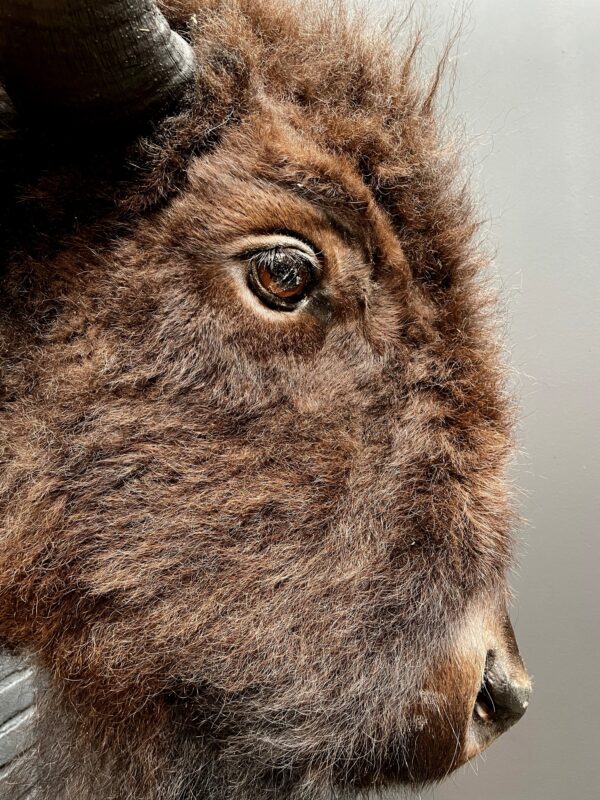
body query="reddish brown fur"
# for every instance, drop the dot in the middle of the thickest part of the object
(242, 544)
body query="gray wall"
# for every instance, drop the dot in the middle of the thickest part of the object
(528, 84)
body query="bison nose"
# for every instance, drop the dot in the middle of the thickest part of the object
(502, 699)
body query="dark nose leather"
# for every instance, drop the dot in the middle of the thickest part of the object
(504, 693)
(503, 697)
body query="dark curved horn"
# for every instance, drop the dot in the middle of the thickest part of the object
(99, 60)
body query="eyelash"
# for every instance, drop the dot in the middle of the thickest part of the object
(292, 234)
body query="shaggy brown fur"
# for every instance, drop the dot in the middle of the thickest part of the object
(247, 547)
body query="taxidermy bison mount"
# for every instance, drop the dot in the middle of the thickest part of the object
(254, 519)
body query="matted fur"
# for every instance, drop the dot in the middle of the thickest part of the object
(243, 545)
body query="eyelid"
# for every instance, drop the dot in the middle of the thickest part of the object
(269, 241)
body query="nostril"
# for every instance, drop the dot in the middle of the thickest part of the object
(503, 698)
(484, 706)
(503, 694)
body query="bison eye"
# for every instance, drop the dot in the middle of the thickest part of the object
(282, 275)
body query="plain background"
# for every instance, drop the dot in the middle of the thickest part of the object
(528, 93)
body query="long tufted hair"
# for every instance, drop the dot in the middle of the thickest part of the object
(240, 544)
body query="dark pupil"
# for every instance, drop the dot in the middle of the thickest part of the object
(283, 273)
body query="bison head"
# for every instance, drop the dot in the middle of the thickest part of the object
(253, 508)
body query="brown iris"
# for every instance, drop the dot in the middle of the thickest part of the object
(282, 276)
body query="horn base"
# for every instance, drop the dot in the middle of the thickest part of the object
(99, 62)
